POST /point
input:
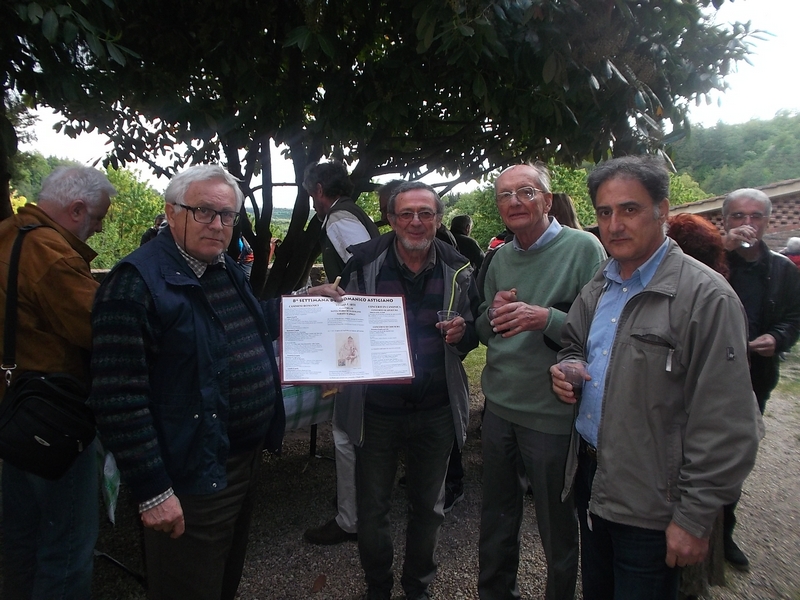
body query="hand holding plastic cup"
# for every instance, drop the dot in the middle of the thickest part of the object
(445, 318)
(574, 370)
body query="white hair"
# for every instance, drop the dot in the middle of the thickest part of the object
(752, 194)
(65, 185)
(179, 184)
(793, 245)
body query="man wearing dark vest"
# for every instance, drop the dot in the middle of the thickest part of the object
(344, 224)
(186, 388)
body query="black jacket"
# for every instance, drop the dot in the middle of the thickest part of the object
(780, 315)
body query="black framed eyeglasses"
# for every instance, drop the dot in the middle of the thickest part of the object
(526, 194)
(206, 215)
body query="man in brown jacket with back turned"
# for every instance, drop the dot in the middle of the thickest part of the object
(50, 527)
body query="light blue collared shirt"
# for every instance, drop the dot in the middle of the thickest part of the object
(549, 233)
(602, 333)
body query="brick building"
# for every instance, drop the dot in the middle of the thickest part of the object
(784, 221)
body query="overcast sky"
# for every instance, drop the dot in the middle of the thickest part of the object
(756, 92)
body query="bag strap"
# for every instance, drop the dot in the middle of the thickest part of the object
(10, 332)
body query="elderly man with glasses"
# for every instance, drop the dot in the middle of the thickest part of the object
(529, 287)
(422, 417)
(768, 284)
(186, 388)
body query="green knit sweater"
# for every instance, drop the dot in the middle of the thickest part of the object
(516, 379)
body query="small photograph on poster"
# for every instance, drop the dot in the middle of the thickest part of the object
(348, 350)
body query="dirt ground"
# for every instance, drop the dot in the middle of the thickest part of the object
(296, 490)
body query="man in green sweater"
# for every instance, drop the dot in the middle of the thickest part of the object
(528, 289)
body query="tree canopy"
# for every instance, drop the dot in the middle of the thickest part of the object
(406, 87)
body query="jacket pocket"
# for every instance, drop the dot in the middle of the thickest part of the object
(655, 344)
(180, 437)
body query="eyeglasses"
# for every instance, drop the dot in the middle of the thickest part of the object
(525, 194)
(738, 216)
(405, 217)
(206, 216)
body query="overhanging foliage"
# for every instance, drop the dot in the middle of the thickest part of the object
(403, 87)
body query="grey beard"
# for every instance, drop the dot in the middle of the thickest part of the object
(415, 247)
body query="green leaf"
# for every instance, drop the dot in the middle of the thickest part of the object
(115, 54)
(549, 69)
(35, 12)
(95, 45)
(479, 86)
(616, 71)
(70, 32)
(297, 37)
(84, 23)
(466, 30)
(50, 26)
(326, 45)
(427, 39)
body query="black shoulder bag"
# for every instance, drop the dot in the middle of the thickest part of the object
(44, 420)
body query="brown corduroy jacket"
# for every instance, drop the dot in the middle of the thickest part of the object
(55, 295)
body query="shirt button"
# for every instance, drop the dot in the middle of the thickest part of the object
(213, 485)
(197, 416)
(624, 289)
(589, 416)
(614, 320)
(605, 352)
(214, 416)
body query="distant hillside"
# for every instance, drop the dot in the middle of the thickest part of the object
(726, 157)
(282, 214)
(278, 214)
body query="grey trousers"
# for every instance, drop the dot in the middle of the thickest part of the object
(206, 562)
(508, 451)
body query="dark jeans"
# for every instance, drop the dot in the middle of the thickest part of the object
(49, 531)
(508, 450)
(206, 562)
(426, 437)
(620, 562)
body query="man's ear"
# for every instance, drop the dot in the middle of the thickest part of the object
(548, 202)
(663, 210)
(169, 212)
(75, 210)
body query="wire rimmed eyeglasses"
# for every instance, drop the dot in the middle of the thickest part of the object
(526, 193)
(207, 215)
(425, 216)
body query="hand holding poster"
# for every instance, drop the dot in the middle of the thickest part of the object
(361, 339)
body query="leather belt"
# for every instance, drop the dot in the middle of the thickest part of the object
(587, 449)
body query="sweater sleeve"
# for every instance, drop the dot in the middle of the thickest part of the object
(125, 334)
